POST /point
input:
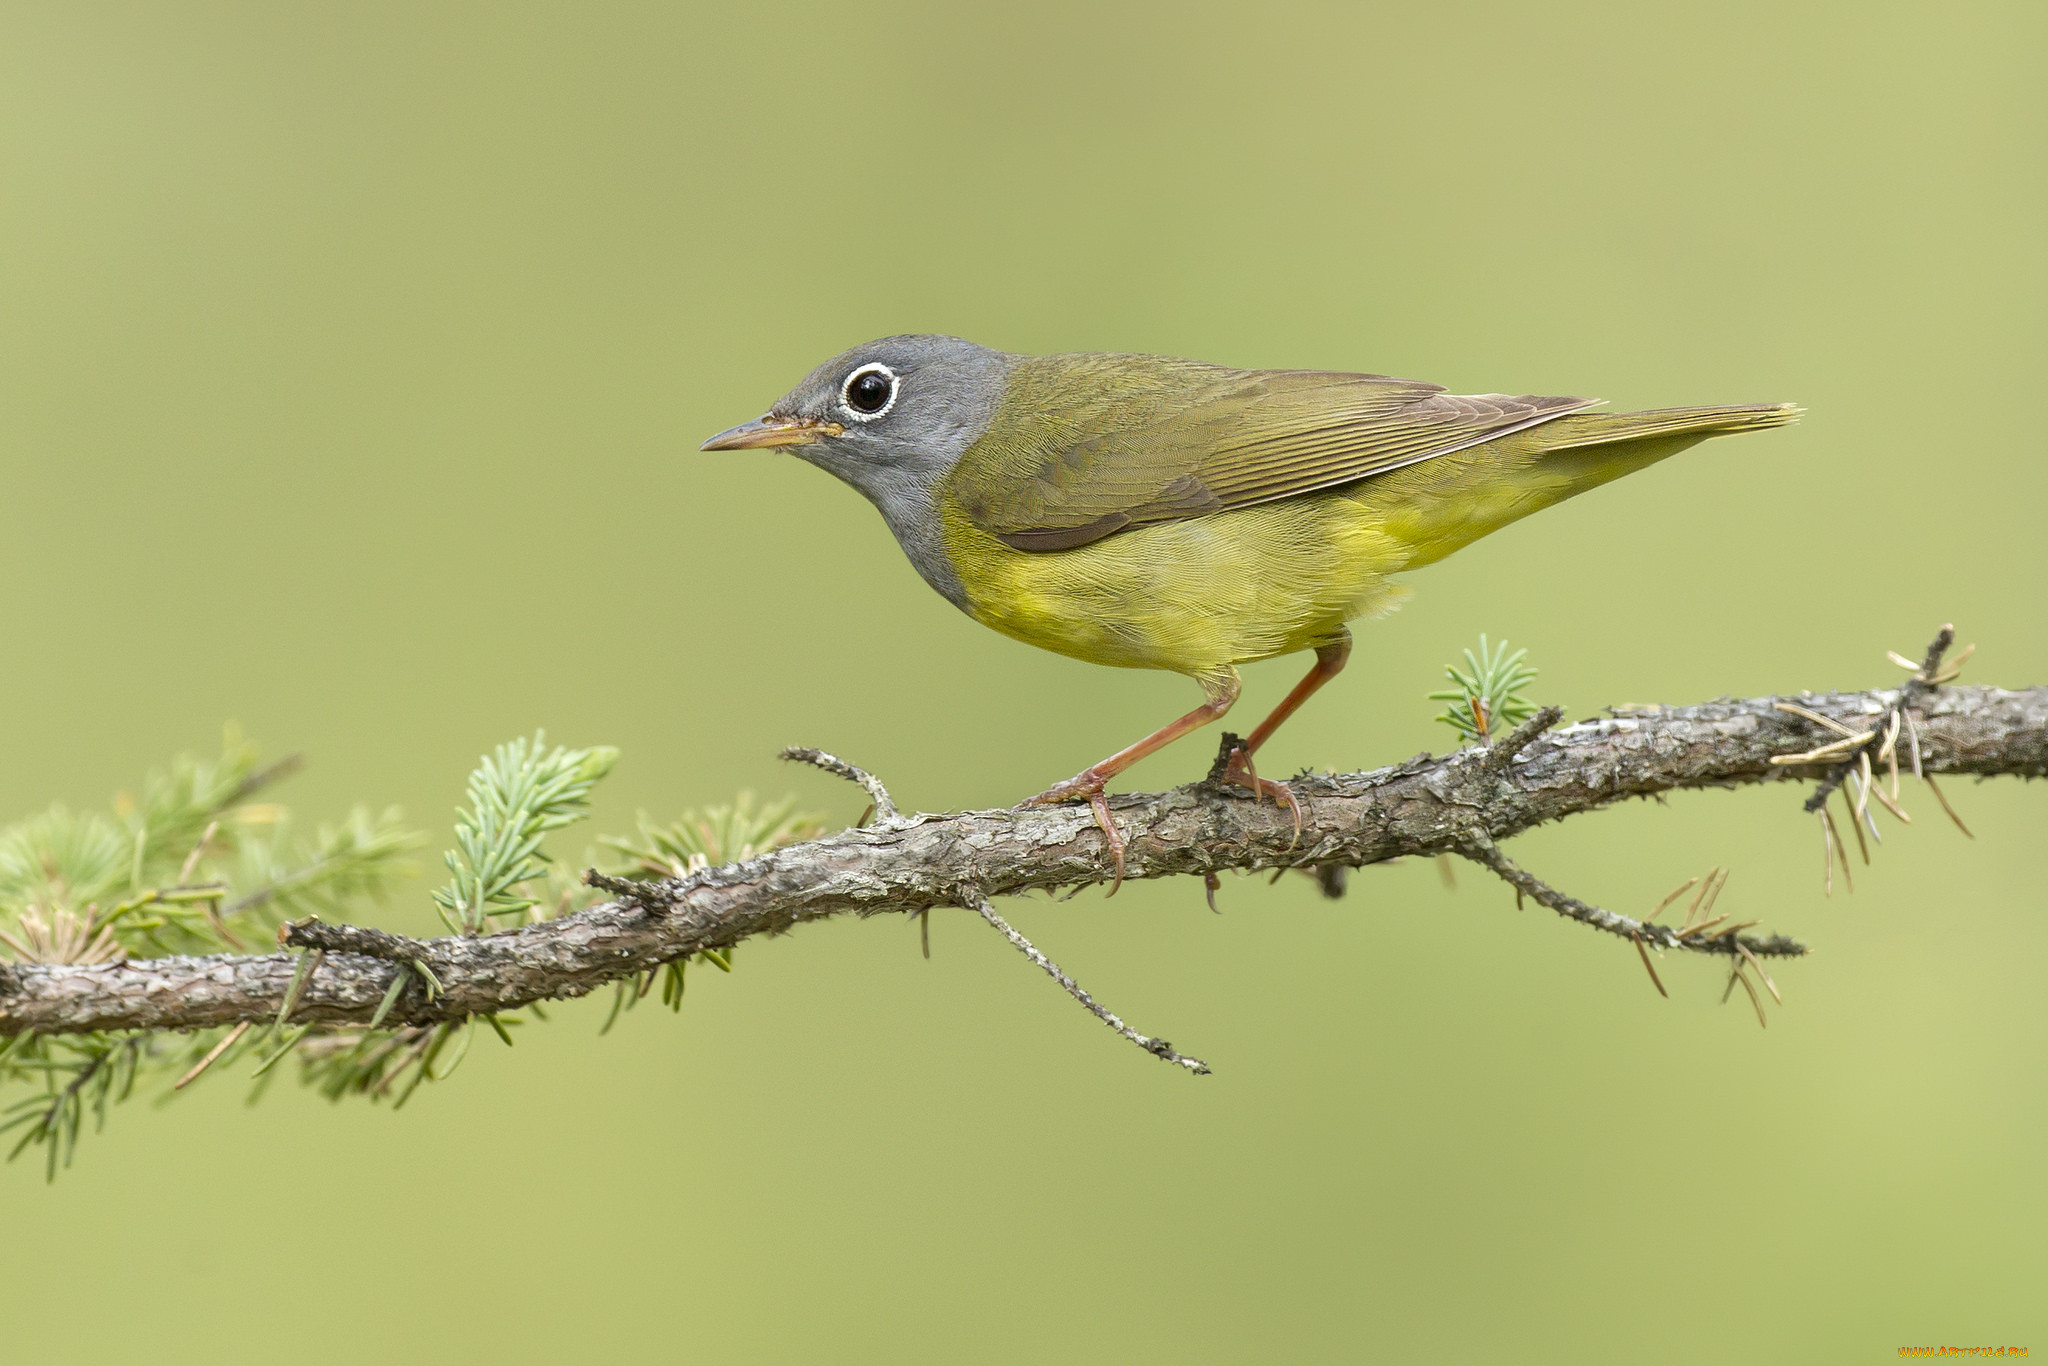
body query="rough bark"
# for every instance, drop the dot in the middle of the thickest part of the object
(1459, 803)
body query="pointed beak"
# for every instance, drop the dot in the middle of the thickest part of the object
(772, 431)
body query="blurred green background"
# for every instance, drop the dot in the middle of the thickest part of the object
(355, 359)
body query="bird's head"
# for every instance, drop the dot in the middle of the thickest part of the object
(885, 416)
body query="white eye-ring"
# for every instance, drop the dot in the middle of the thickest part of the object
(869, 392)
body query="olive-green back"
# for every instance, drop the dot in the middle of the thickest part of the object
(1083, 446)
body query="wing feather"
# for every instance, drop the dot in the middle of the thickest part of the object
(1094, 444)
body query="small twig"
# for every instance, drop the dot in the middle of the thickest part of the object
(637, 890)
(227, 1041)
(1503, 751)
(1930, 667)
(1826, 787)
(1158, 1048)
(885, 807)
(1927, 676)
(1480, 848)
(1227, 744)
(410, 955)
(312, 933)
(1854, 767)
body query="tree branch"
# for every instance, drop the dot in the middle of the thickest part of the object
(1459, 803)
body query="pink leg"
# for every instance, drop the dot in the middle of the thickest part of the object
(1330, 661)
(1087, 785)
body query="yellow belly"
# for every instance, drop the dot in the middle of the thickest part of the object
(1196, 596)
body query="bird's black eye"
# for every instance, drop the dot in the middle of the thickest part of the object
(869, 391)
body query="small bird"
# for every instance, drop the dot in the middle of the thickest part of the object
(1154, 513)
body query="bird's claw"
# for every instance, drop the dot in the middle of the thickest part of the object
(1083, 786)
(1087, 787)
(1241, 772)
(1099, 804)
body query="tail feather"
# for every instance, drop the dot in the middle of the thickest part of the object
(1454, 499)
(1579, 430)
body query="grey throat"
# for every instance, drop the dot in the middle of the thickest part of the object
(943, 393)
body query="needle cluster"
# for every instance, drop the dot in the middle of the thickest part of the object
(1487, 693)
(202, 861)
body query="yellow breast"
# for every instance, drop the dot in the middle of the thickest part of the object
(1194, 596)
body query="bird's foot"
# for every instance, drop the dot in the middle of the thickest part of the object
(1086, 786)
(1241, 772)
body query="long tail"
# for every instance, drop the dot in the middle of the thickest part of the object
(1577, 430)
(1434, 507)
